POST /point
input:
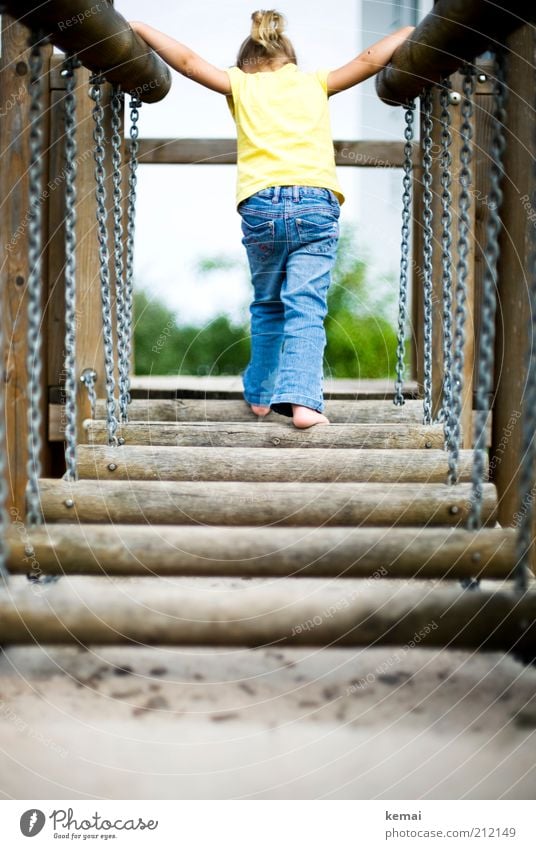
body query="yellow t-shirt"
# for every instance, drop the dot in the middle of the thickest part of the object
(284, 130)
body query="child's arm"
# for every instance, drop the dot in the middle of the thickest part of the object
(182, 59)
(367, 63)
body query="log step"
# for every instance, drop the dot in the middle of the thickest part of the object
(217, 386)
(337, 552)
(307, 612)
(216, 503)
(207, 410)
(140, 462)
(263, 434)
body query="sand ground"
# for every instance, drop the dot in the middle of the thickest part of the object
(161, 722)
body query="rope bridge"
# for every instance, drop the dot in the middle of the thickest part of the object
(200, 488)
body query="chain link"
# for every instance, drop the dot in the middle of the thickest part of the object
(486, 348)
(135, 105)
(119, 266)
(70, 266)
(446, 252)
(462, 270)
(89, 379)
(427, 127)
(33, 361)
(403, 292)
(104, 256)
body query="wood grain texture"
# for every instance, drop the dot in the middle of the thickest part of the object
(219, 386)
(515, 271)
(296, 612)
(338, 552)
(89, 340)
(217, 503)
(365, 154)
(206, 410)
(140, 462)
(14, 268)
(263, 434)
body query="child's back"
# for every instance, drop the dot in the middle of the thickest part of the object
(284, 130)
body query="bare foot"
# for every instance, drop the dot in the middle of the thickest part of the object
(305, 417)
(259, 410)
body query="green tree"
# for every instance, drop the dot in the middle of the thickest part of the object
(361, 341)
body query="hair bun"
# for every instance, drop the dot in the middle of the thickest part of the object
(267, 27)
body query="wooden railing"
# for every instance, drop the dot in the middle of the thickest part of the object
(102, 40)
(455, 31)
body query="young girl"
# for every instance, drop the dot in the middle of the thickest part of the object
(288, 197)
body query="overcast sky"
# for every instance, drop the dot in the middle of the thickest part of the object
(184, 212)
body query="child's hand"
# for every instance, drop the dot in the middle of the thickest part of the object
(137, 26)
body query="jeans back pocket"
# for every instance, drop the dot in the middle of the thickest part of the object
(318, 232)
(258, 236)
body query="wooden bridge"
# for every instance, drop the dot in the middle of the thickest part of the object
(354, 528)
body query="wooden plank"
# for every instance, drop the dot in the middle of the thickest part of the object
(14, 270)
(140, 462)
(297, 612)
(197, 410)
(514, 273)
(364, 154)
(263, 434)
(188, 411)
(235, 410)
(211, 386)
(337, 552)
(482, 157)
(197, 502)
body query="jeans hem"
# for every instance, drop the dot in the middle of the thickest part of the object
(264, 402)
(282, 404)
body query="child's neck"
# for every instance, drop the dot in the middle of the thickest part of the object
(268, 66)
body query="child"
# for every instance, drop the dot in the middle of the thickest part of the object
(288, 197)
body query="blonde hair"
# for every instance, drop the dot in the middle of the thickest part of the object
(267, 40)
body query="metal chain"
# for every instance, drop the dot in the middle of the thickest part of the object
(462, 269)
(446, 252)
(524, 547)
(486, 348)
(427, 126)
(89, 379)
(119, 267)
(403, 291)
(33, 360)
(70, 266)
(135, 105)
(104, 256)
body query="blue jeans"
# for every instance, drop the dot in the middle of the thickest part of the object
(290, 235)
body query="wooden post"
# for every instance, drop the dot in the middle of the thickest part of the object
(89, 341)
(515, 268)
(418, 272)
(14, 269)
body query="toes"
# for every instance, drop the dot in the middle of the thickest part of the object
(259, 409)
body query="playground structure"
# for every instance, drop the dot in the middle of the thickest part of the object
(431, 481)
